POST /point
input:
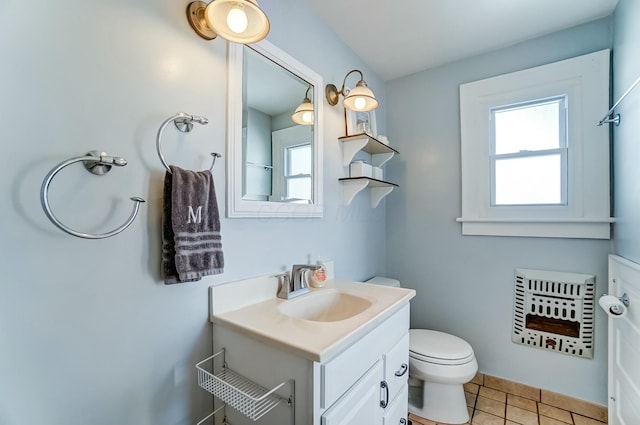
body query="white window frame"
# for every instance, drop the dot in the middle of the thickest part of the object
(560, 150)
(281, 140)
(287, 175)
(585, 82)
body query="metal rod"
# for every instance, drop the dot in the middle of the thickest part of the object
(616, 119)
(100, 160)
(184, 123)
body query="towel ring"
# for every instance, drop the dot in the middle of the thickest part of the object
(184, 123)
(98, 163)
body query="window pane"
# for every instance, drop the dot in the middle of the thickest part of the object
(531, 127)
(528, 180)
(299, 160)
(299, 187)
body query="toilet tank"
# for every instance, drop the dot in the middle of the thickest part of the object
(385, 281)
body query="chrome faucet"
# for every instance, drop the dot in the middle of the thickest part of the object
(295, 284)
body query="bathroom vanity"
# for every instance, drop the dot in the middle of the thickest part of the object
(337, 356)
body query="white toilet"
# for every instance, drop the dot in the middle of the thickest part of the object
(439, 364)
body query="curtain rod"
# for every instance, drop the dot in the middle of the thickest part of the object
(616, 118)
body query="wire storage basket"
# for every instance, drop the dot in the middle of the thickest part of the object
(236, 391)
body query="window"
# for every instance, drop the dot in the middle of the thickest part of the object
(529, 153)
(298, 172)
(292, 158)
(534, 163)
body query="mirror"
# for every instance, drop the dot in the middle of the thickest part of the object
(274, 164)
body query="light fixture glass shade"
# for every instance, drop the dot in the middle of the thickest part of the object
(360, 98)
(240, 21)
(304, 114)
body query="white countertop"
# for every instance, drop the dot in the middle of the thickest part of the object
(251, 307)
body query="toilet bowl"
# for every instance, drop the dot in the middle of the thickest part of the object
(439, 365)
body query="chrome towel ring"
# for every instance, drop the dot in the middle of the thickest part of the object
(98, 163)
(184, 123)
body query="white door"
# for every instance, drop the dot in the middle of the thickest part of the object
(624, 345)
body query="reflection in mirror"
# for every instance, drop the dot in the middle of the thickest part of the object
(275, 148)
(274, 161)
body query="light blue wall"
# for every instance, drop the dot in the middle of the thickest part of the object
(626, 146)
(465, 283)
(88, 332)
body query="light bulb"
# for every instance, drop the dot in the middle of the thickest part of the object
(237, 20)
(307, 117)
(359, 103)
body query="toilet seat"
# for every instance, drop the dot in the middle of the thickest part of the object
(438, 347)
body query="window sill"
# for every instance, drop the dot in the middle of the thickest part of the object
(582, 228)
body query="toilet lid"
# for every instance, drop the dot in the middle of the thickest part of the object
(438, 347)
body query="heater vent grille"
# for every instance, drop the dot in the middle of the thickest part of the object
(554, 311)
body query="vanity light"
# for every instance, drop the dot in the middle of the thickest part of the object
(304, 114)
(360, 98)
(240, 21)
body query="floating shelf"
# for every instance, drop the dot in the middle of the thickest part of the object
(351, 186)
(236, 391)
(351, 145)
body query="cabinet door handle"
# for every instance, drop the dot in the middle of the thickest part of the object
(384, 401)
(403, 370)
(403, 421)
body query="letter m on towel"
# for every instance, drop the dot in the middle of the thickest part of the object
(195, 217)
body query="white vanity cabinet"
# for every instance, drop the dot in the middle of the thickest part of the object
(364, 384)
(380, 395)
(360, 405)
(396, 373)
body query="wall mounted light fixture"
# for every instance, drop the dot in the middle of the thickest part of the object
(240, 21)
(304, 113)
(360, 98)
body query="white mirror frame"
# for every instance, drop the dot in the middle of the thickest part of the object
(241, 208)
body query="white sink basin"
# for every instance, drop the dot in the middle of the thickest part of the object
(327, 305)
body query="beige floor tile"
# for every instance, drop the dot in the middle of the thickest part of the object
(478, 379)
(493, 394)
(417, 420)
(521, 402)
(511, 387)
(482, 418)
(554, 413)
(472, 388)
(550, 421)
(489, 405)
(471, 399)
(522, 416)
(582, 420)
(492, 406)
(583, 408)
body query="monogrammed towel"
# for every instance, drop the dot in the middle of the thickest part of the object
(191, 242)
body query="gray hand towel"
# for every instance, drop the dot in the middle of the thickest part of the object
(192, 245)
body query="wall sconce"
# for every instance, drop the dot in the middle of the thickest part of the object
(240, 21)
(304, 114)
(360, 98)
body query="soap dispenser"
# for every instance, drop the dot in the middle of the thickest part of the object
(317, 277)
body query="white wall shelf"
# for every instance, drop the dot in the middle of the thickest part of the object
(380, 154)
(351, 186)
(351, 145)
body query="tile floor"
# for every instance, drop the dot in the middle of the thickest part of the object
(496, 401)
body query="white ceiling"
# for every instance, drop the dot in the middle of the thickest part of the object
(400, 37)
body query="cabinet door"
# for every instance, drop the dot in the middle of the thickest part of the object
(396, 366)
(361, 404)
(340, 373)
(396, 413)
